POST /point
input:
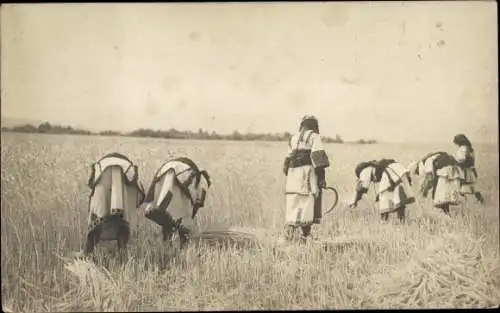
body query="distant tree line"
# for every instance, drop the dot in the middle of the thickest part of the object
(370, 141)
(47, 128)
(172, 133)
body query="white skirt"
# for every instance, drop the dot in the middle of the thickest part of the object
(402, 195)
(301, 193)
(112, 196)
(178, 208)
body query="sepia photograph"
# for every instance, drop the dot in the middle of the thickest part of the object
(206, 156)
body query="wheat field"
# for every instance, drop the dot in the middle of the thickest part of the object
(432, 262)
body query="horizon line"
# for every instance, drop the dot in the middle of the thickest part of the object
(125, 132)
(37, 123)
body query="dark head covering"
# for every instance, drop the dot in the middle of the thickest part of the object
(462, 140)
(310, 122)
(361, 166)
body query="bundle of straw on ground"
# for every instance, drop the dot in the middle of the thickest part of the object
(245, 237)
(451, 273)
(6, 307)
(94, 284)
(239, 237)
(342, 243)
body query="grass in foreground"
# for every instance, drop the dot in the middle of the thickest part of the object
(431, 262)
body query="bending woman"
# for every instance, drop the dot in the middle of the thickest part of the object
(394, 186)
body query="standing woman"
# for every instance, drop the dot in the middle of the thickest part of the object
(466, 160)
(304, 167)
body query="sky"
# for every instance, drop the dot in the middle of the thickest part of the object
(393, 71)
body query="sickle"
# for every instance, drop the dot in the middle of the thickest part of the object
(334, 202)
